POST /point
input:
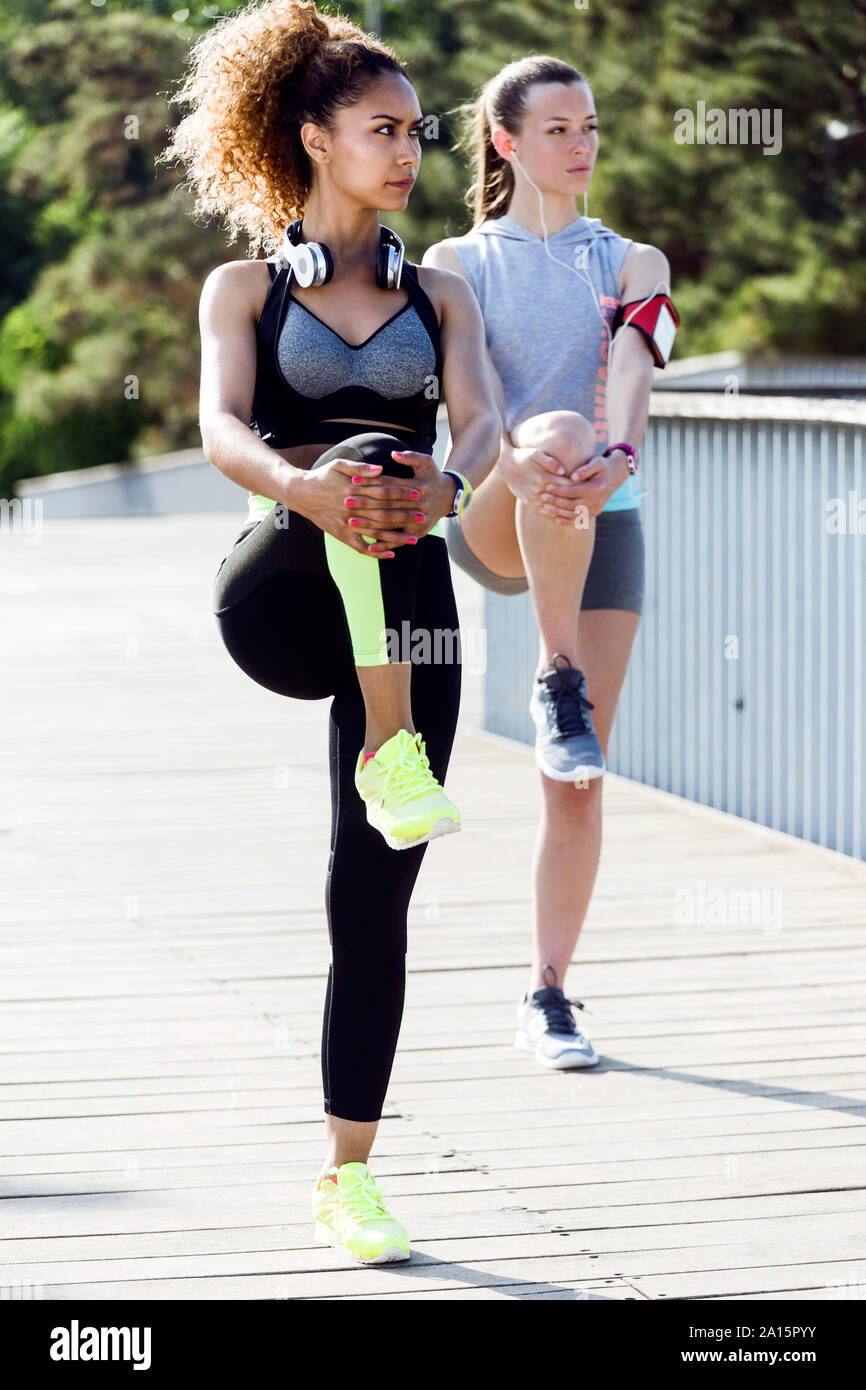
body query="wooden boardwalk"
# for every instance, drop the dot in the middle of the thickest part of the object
(163, 831)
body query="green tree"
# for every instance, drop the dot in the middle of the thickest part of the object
(103, 265)
(98, 336)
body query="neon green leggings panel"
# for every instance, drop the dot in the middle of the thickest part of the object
(378, 595)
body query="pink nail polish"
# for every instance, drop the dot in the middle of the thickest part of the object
(419, 516)
(350, 502)
(413, 540)
(354, 521)
(357, 480)
(414, 496)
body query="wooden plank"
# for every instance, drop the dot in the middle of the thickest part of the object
(439, 1275)
(161, 1085)
(488, 1220)
(135, 1170)
(212, 1149)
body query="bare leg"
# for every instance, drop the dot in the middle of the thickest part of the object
(349, 1141)
(386, 701)
(513, 539)
(556, 557)
(490, 530)
(568, 844)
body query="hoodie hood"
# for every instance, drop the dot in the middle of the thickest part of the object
(582, 229)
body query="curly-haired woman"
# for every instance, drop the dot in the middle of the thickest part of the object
(559, 515)
(304, 123)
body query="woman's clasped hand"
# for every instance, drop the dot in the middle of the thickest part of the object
(352, 500)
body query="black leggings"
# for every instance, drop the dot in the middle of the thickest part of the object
(281, 617)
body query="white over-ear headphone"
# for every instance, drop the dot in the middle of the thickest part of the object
(313, 264)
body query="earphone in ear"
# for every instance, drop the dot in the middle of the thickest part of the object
(313, 264)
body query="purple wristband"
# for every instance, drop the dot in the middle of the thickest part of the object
(630, 453)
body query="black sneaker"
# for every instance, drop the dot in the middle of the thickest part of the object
(566, 745)
(546, 1026)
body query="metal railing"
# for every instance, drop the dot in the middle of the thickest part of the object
(745, 686)
(732, 371)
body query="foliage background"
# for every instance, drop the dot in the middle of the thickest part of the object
(102, 265)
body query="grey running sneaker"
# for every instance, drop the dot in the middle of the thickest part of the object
(546, 1026)
(566, 745)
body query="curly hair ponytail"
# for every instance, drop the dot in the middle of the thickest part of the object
(253, 80)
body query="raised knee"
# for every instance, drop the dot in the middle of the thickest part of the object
(570, 438)
(374, 446)
(369, 446)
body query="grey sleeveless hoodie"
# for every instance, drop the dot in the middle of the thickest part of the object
(543, 330)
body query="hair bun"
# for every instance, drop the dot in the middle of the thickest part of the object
(313, 31)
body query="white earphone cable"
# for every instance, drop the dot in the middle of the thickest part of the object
(660, 286)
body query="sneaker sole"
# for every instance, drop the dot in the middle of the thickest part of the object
(444, 826)
(392, 1254)
(564, 1063)
(581, 773)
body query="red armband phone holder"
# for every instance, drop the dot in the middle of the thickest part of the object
(657, 320)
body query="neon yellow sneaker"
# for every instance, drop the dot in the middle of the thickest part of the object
(404, 801)
(350, 1213)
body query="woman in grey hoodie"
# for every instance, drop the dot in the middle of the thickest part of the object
(559, 515)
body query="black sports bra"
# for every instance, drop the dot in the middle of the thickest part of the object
(297, 353)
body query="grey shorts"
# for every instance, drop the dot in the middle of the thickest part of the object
(616, 570)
